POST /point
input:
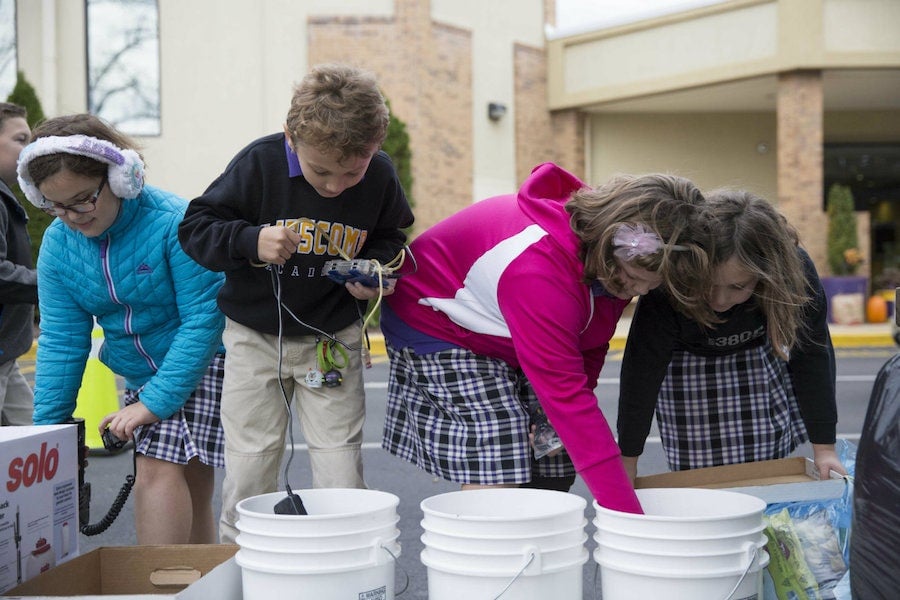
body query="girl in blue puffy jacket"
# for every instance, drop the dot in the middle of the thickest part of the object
(112, 255)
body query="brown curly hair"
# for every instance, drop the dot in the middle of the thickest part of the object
(338, 108)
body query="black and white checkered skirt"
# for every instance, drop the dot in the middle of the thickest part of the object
(719, 410)
(463, 417)
(195, 430)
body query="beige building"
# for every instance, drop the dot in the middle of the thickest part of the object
(227, 68)
(762, 94)
(777, 96)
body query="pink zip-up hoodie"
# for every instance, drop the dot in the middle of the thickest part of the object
(502, 278)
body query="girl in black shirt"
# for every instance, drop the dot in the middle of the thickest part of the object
(753, 386)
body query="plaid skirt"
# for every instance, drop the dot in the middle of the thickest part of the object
(720, 410)
(464, 418)
(193, 431)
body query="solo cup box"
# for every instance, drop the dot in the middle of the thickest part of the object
(38, 500)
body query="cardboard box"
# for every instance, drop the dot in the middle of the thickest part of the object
(181, 572)
(38, 500)
(782, 480)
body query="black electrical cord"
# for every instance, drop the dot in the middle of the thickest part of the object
(114, 510)
(117, 505)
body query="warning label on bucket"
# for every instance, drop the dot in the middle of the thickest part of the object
(376, 594)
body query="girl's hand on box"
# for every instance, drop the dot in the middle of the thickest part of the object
(827, 460)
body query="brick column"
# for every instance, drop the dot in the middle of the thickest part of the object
(800, 108)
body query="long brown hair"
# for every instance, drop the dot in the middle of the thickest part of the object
(668, 205)
(750, 229)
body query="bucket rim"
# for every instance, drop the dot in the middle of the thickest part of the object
(641, 535)
(759, 506)
(394, 502)
(759, 544)
(391, 539)
(431, 563)
(428, 526)
(318, 534)
(578, 503)
(682, 573)
(517, 552)
(281, 570)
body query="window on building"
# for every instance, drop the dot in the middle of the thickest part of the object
(123, 64)
(873, 173)
(8, 57)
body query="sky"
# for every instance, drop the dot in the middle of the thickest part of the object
(576, 15)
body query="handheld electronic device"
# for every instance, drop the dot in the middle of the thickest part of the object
(111, 442)
(355, 271)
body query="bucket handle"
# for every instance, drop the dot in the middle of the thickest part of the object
(752, 551)
(402, 568)
(532, 556)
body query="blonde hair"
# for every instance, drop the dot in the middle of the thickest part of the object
(751, 230)
(668, 205)
(338, 108)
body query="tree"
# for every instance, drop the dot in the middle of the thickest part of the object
(843, 246)
(23, 94)
(396, 145)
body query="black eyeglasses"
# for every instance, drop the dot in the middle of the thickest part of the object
(87, 205)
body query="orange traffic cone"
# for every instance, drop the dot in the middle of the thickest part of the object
(98, 395)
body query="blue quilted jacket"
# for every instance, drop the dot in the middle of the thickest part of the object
(157, 308)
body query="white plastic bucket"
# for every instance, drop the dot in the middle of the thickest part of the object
(509, 512)
(689, 543)
(344, 548)
(334, 511)
(504, 542)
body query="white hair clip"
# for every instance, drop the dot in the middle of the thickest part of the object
(638, 241)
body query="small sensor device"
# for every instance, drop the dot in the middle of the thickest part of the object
(111, 442)
(362, 271)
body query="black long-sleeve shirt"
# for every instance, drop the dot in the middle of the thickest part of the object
(220, 231)
(658, 330)
(18, 279)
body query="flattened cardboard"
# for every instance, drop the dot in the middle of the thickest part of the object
(129, 571)
(781, 480)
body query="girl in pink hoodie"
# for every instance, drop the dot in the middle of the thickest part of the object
(516, 298)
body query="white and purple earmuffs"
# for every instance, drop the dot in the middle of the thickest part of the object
(126, 169)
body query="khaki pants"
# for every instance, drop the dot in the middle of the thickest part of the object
(255, 419)
(16, 398)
